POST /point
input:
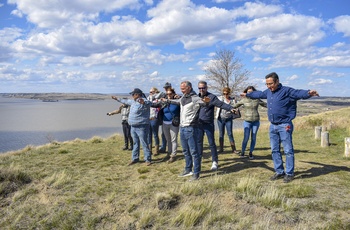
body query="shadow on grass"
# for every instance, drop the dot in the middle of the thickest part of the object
(234, 164)
(322, 170)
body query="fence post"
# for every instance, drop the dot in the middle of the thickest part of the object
(324, 139)
(347, 146)
(318, 130)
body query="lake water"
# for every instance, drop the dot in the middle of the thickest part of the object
(33, 122)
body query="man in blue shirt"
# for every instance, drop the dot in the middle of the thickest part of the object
(140, 124)
(281, 110)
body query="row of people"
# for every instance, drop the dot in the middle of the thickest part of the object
(197, 119)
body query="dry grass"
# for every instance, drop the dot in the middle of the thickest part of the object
(88, 185)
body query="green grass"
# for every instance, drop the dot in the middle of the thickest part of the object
(86, 184)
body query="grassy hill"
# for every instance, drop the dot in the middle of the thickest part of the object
(88, 185)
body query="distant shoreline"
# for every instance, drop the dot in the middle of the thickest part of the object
(53, 97)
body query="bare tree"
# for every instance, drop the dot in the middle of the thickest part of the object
(226, 70)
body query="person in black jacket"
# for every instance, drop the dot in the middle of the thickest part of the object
(206, 121)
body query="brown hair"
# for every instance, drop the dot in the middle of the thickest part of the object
(226, 89)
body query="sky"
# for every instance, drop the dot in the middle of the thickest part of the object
(113, 46)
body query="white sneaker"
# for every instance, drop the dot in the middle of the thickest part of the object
(214, 166)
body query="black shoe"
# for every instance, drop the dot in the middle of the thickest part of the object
(195, 177)
(288, 178)
(161, 150)
(277, 176)
(251, 157)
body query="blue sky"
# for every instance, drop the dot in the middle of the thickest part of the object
(113, 46)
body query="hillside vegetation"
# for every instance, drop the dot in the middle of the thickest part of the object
(88, 185)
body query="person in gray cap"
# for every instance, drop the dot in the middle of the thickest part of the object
(140, 124)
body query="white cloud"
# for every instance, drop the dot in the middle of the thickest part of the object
(320, 81)
(342, 24)
(293, 77)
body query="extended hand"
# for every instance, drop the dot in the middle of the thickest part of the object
(114, 97)
(313, 93)
(206, 99)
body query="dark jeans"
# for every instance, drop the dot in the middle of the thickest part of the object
(209, 130)
(127, 133)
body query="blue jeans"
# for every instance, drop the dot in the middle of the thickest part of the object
(222, 123)
(154, 130)
(140, 134)
(189, 142)
(282, 133)
(250, 129)
(209, 130)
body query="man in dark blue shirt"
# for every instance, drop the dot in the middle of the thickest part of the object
(281, 110)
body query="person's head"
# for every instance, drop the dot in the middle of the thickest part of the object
(186, 87)
(166, 86)
(202, 87)
(170, 92)
(153, 91)
(226, 92)
(136, 93)
(272, 81)
(249, 89)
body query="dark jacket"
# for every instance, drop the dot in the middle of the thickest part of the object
(206, 113)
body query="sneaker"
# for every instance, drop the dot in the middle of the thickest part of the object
(147, 163)
(194, 177)
(277, 176)
(133, 162)
(214, 166)
(161, 150)
(251, 157)
(242, 156)
(288, 178)
(186, 173)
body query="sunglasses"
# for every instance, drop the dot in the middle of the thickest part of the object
(201, 88)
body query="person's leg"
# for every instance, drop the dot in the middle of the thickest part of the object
(128, 133)
(164, 144)
(166, 131)
(255, 128)
(192, 136)
(229, 125)
(143, 133)
(126, 142)
(136, 148)
(185, 134)
(154, 133)
(173, 134)
(209, 130)
(275, 141)
(200, 138)
(221, 126)
(247, 128)
(286, 131)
